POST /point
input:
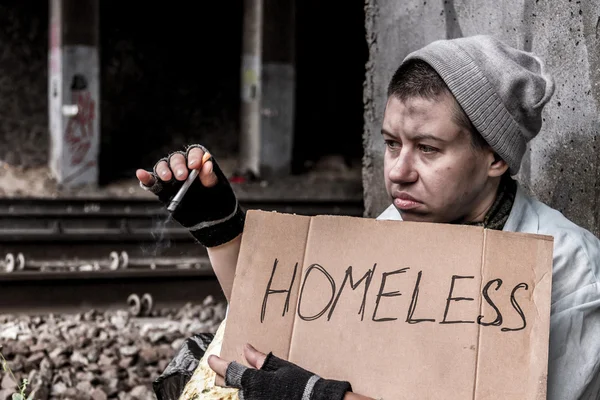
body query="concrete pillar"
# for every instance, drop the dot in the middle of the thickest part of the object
(278, 91)
(562, 165)
(73, 91)
(250, 135)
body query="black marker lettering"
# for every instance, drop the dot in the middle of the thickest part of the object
(386, 294)
(413, 304)
(331, 281)
(450, 298)
(516, 306)
(270, 291)
(486, 296)
(366, 277)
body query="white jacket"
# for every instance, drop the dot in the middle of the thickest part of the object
(574, 355)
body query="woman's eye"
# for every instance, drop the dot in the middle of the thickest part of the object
(427, 149)
(392, 145)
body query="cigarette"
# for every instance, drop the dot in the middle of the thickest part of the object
(186, 185)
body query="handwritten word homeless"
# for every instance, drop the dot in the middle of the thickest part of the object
(385, 290)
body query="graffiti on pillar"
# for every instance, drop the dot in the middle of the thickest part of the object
(79, 131)
(54, 48)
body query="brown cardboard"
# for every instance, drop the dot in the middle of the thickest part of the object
(400, 340)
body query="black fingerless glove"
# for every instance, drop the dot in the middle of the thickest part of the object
(213, 215)
(280, 379)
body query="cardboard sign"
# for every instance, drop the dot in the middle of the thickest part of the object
(401, 310)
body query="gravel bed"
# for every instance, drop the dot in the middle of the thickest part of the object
(98, 355)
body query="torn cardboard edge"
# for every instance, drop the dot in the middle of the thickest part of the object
(399, 309)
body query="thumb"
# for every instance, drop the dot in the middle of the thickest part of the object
(254, 357)
(207, 175)
(145, 177)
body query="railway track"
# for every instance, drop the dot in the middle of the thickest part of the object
(67, 255)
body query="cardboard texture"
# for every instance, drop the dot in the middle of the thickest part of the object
(401, 310)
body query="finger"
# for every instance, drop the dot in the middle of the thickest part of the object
(195, 157)
(145, 177)
(219, 381)
(254, 357)
(177, 163)
(218, 365)
(163, 171)
(207, 175)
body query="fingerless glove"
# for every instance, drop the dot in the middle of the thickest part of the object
(280, 379)
(213, 215)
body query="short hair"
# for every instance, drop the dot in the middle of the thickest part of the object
(416, 78)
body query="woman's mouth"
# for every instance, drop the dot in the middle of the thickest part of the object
(403, 201)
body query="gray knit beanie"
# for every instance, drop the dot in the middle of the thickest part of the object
(501, 89)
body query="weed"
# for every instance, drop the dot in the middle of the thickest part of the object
(20, 394)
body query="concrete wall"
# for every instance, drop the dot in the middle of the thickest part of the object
(23, 80)
(562, 165)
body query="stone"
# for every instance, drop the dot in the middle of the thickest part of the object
(34, 359)
(110, 374)
(149, 355)
(64, 376)
(125, 396)
(93, 332)
(165, 352)
(119, 320)
(110, 388)
(208, 301)
(90, 315)
(98, 394)
(46, 369)
(140, 392)
(105, 361)
(84, 386)
(83, 342)
(162, 365)
(93, 367)
(61, 361)
(78, 359)
(57, 352)
(93, 355)
(177, 343)
(206, 314)
(128, 351)
(220, 312)
(71, 393)
(8, 382)
(155, 337)
(126, 362)
(37, 347)
(86, 376)
(58, 389)
(6, 394)
(10, 332)
(199, 327)
(18, 363)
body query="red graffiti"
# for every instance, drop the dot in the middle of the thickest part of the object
(80, 128)
(55, 48)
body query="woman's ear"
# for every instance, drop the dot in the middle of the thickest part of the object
(498, 167)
